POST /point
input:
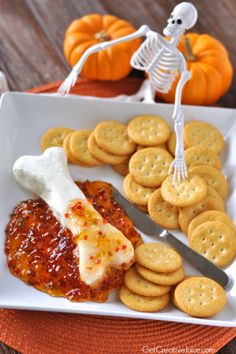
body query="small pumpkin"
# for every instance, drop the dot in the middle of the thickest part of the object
(110, 64)
(211, 69)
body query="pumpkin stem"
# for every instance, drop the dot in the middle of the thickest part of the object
(102, 36)
(189, 50)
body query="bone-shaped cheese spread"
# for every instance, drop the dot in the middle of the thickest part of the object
(100, 246)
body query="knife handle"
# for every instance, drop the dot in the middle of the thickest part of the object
(204, 266)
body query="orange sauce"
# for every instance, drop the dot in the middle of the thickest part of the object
(42, 253)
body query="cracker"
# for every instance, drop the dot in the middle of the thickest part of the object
(142, 208)
(215, 241)
(150, 166)
(213, 178)
(200, 296)
(101, 155)
(66, 146)
(143, 303)
(122, 168)
(171, 143)
(79, 148)
(210, 215)
(204, 134)
(172, 292)
(162, 146)
(148, 130)
(161, 278)
(54, 137)
(141, 286)
(158, 257)
(163, 213)
(184, 193)
(213, 193)
(187, 214)
(112, 137)
(201, 155)
(135, 192)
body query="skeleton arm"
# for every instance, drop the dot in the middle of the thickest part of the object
(185, 75)
(72, 77)
(179, 164)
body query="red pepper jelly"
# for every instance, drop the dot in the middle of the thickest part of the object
(42, 253)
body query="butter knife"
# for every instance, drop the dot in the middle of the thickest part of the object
(145, 224)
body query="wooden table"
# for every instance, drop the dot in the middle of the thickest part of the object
(32, 31)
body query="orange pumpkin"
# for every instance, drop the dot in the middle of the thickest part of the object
(211, 69)
(110, 64)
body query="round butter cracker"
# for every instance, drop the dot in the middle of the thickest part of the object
(185, 193)
(142, 208)
(172, 292)
(201, 155)
(215, 241)
(148, 130)
(150, 166)
(213, 193)
(101, 155)
(158, 257)
(162, 146)
(200, 297)
(112, 137)
(198, 133)
(213, 178)
(161, 278)
(79, 148)
(122, 168)
(163, 213)
(187, 214)
(54, 137)
(141, 286)
(66, 146)
(135, 192)
(210, 215)
(143, 303)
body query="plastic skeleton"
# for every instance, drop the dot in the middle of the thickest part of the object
(162, 61)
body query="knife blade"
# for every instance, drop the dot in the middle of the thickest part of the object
(145, 224)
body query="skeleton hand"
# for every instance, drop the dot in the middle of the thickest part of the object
(179, 168)
(69, 82)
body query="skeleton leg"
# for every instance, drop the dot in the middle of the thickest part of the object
(178, 165)
(148, 92)
(145, 94)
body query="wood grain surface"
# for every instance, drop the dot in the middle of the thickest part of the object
(32, 32)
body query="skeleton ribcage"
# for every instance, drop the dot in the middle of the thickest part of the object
(158, 61)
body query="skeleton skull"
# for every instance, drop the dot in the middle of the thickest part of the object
(183, 17)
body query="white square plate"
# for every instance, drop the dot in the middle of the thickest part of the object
(23, 119)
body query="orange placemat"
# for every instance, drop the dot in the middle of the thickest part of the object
(55, 333)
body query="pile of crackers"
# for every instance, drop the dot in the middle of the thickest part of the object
(142, 151)
(107, 144)
(158, 275)
(196, 205)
